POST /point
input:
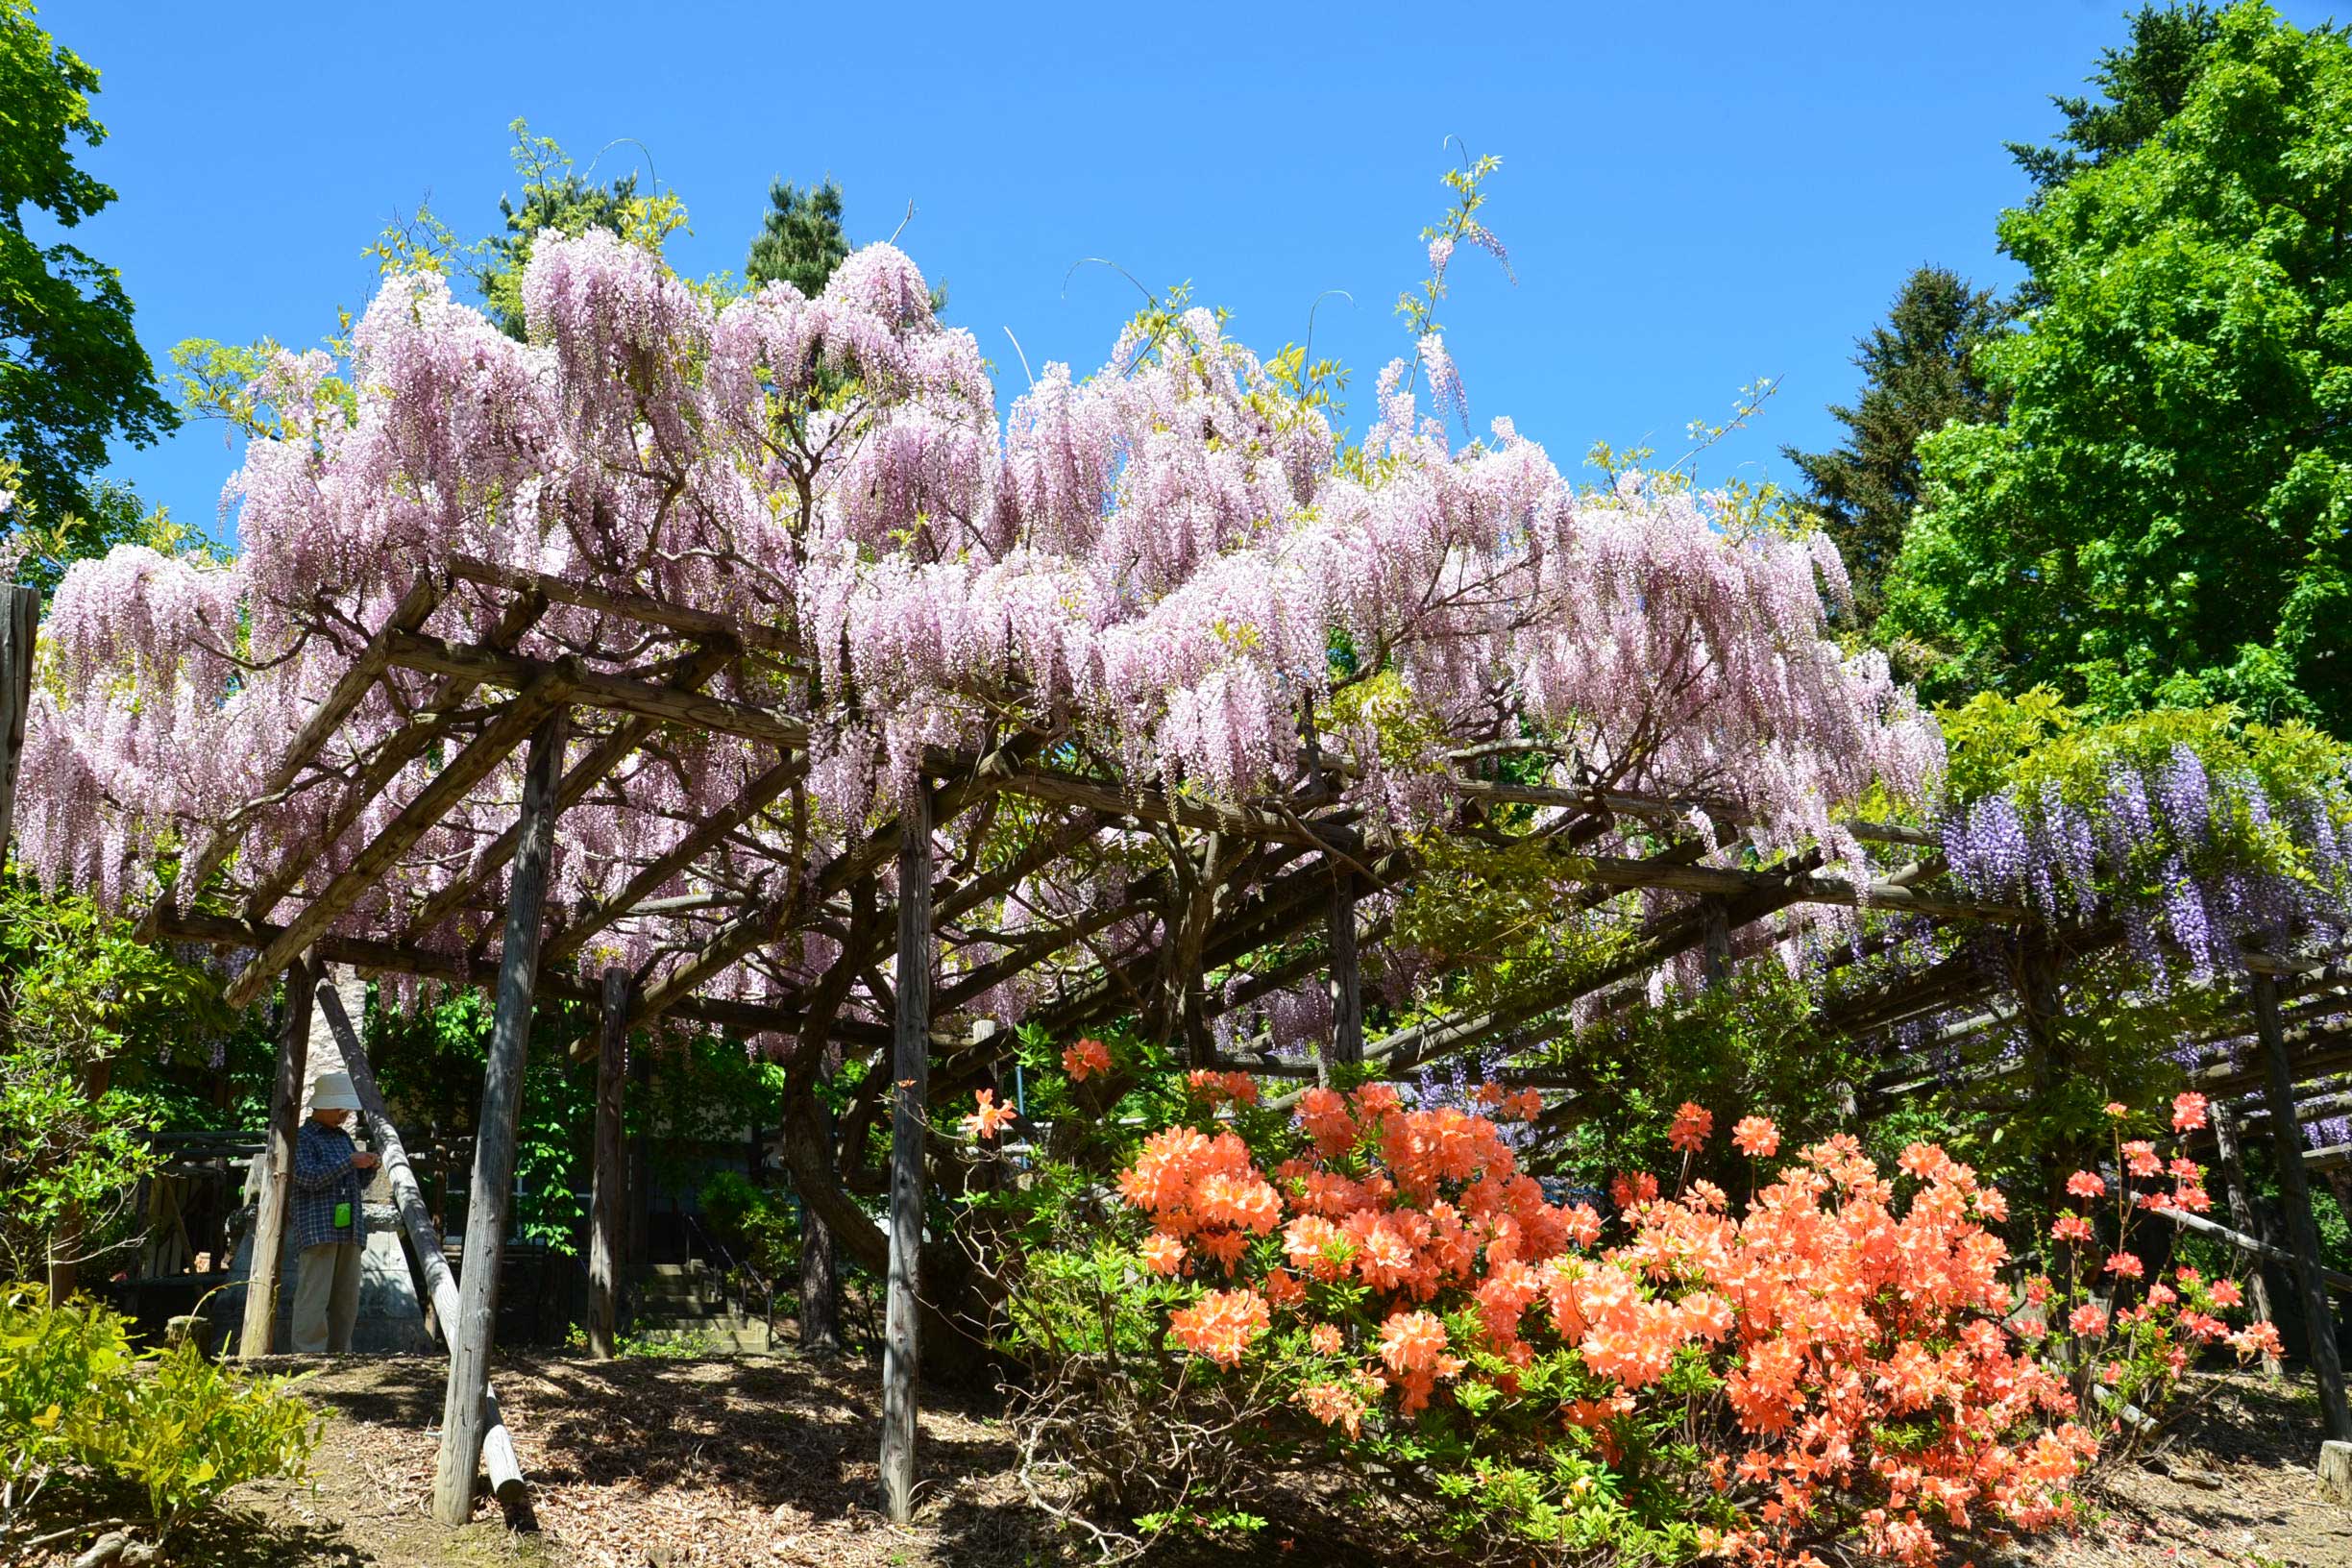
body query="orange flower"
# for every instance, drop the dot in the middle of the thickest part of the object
(1411, 1341)
(2085, 1184)
(1325, 1339)
(1692, 1125)
(1323, 1113)
(991, 1116)
(2070, 1227)
(1756, 1138)
(1085, 1058)
(2127, 1265)
(1162, 1253)
(1335, 1404)
(2188, 1112)
(1222, 1325)
(2258, 1339)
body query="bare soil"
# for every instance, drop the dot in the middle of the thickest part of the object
(770, 1461)
(2234, 1481)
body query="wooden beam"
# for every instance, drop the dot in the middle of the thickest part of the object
(463, 1413)
(596, 689)
(605, 1205)
(2294, 1197)
(678, 618)
(440, 795)
(278, 1162)
(20, 630)
(1808, 889)
(2252, 1246)
(910, 1127)
(424, 1237)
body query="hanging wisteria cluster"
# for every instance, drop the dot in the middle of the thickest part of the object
(1146, 568)
(2197, 864)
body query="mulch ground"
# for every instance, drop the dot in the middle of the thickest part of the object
(656, 1464)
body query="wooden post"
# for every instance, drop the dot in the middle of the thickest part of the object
(2295, 1196)
(463, 1412)
(910, 1125)
(277, 1192)
(19, 626)
(605, 1205)
(1346, 981)
(2242, 1214)
(424, 1237)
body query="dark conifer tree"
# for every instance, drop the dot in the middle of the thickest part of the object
(1918, 373)
(2144, 84)
(800, 239)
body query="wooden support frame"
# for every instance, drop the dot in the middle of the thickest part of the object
(386, 763)
(910, 1127)
(525, 716)
(506, 1481)
(275, 1198)
(464, 1411)
(2295, 1196)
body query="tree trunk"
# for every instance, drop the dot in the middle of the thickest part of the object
(463, 1414)
(276, 1196)
(19, 628)
(910, 1127)
(820, 1270)
(605, 1205)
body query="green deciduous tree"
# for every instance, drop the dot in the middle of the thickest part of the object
(1919, 371)
(72, 374)
(2162, 516)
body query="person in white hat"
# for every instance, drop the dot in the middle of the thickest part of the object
(328, 1226)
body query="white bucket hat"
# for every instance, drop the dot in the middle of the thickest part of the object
(334, 1091)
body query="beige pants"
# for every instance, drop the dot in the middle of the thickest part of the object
(325, 1299)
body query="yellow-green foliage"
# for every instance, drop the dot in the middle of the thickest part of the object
(74, 1396)
(2034, 745)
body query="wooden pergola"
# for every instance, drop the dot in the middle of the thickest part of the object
(1266, 889)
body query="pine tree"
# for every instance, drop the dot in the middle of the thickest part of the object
(1919, 373)
(800, 239)
(2144, 84)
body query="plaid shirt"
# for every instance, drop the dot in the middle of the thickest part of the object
(324, 1176)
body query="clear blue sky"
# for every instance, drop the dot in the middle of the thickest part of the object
(1695, 195)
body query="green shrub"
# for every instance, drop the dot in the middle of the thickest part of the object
(50, 1362)
(74, 1396)
(191, 1430)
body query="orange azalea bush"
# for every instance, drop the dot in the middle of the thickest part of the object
(1372, 1289)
